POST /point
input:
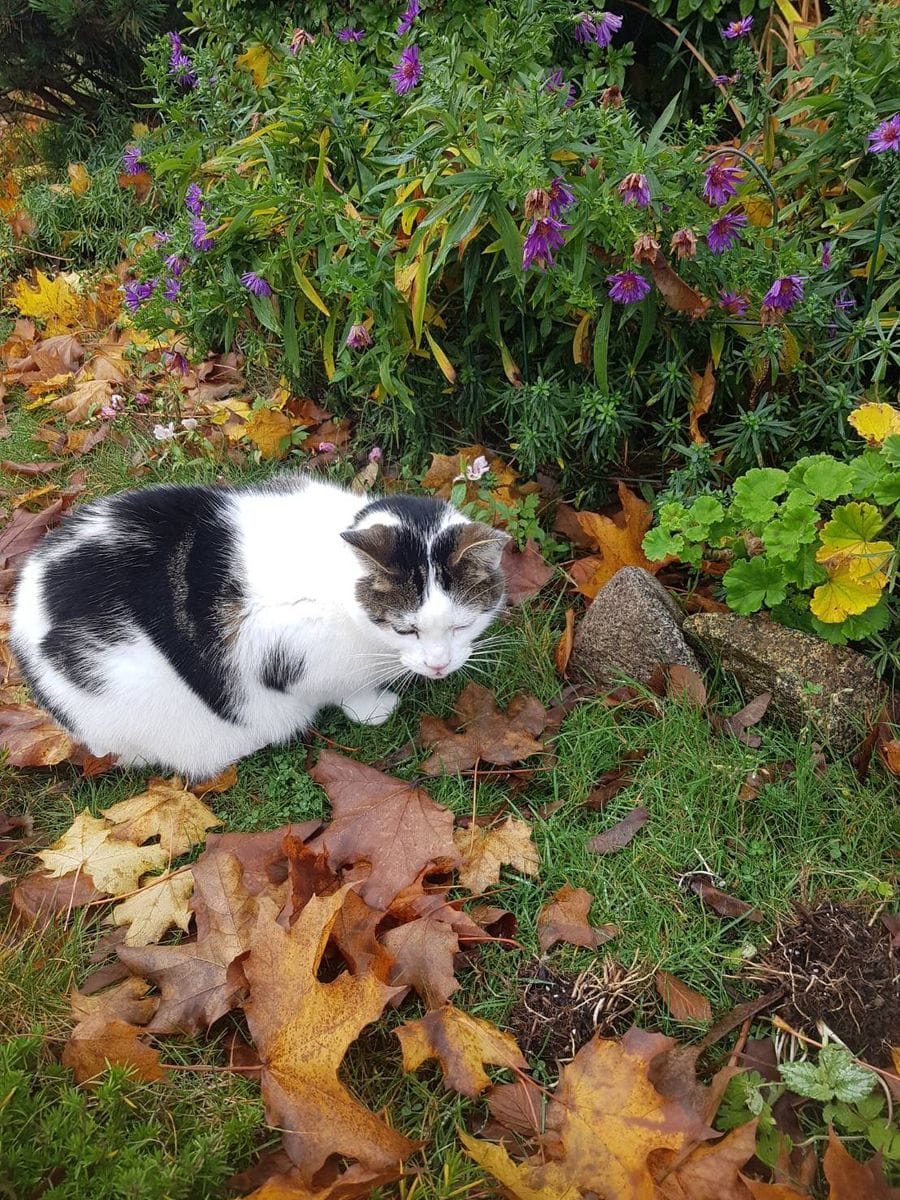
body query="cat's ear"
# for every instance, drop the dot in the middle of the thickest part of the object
(377, 543)
(479, 545)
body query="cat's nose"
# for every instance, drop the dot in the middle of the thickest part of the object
(437, 668)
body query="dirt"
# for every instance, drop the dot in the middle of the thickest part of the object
(839, 969)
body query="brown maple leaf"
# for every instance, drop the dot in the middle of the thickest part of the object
(396, 829)
(479, 730)
(485, 851)
(849, 1179)
(302, 1029)
(462, 1044)
(99, 1042)
(167, 811)
(427, 941)
(39, 898)
(564, 918)
(262, 855)
(445, 470)
(617, 541)
(31, 738)
(710, 1172)
(682, 1002)
(526, 571)
(702, 391)
(126, 1001)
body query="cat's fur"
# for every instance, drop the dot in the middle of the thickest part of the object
(185, 627)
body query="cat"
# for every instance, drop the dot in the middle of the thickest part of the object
(185, 627)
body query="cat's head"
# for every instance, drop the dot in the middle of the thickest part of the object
(432, 580)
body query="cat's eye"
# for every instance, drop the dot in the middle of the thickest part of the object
(413, 632)
(460, 628)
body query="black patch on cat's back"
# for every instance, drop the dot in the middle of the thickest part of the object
(279, 671)
(163, 562)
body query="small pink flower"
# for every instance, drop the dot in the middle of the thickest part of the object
(480, 466)
(327, 447)
(108, 411)
(189, 423)
(164, 433)
(375, 454)
(142, 399)
(359, 337)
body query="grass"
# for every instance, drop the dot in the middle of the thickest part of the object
(807, 834)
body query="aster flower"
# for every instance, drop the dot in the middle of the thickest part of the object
(161, 238)
(719, 186)
(634, 188)
(556, 83)
(199, 238)
(561, 196)
(300, 38)
(180, 65)
(607, 24)
(351, 35)
(544, 236)
(684, 243)
(784, 293)
(596, 27)
(256, 284)
(174, 263)
(132, 163)
(164, 433)
(738, 29)
(537, 203)
(193, 199)
(407, 17)
(627, 287)
(612, 97)
(358, 338)
(137, 292)
(725, 231)
(886, 136)
(724, 80)
(176, 361)
(189, 423)
(375, 454)
(843, 302)
(141, 399)
(646, 248)
(732, 303)
(826, 255)
(408, 71)
(172, 288)
(108, 411)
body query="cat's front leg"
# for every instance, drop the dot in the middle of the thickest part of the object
(371, 707)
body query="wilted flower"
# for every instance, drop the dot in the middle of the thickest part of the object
(738, 28)
(645, 249)
(199, 235)
(112, 409)
(784, 293)
(627, 287)
(720, 182)
(375, 454)
(544, 236)
(843, 302)
(136, 293)
(176, 361)
(537, 202)
(193, 199)
(108, 411)
(359, 338)
(407, 17)
(478, 467)
(596, 27)
(141, 399)
(300, 38)
(351, 35)
(256, 284)
(132, 164)
(684, 243)
(732, 303)
(561, 196)
(408, 71)
(826, 255)
(164, 433)
(725, 231)
(327, 447)
(180, 65)
(885, 136)
(556, 83)
(161, 238)
(634, 188)
(612, 97)
(189, 423)
(175, 264)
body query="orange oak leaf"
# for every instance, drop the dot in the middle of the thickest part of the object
(617, 541)
(480, 730)
(302, 1029)
(462, 1044)
(682, 1002)
(98, 1042)
(564, 918)
(485, 851)
(396, 829)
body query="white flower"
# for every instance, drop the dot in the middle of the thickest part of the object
(116, 401)
(189, 423)
(164, 433)
(476, 469)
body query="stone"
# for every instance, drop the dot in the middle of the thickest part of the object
(630, 628)
(831, 688)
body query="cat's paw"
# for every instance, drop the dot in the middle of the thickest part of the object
(371, 708)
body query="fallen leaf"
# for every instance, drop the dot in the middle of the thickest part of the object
(51, 301)
(115, 867)
(424, 950)
(262, 855)
(39, 898)
(563, 651)
(683, 1002)
(462, 1044)
(355, 1183)
(518, 1106)
(31, 738)
(85, 398)
(479, 730)
(890, 754)
(24, 530)
(773, 1191)
(302, 1029)
(97, 1043)
(849, 1179)
(127, 1001)
(226, 779)
(618, 542)
(446, 468)
(684, 683)
(677, 294)
(269, 430)
(29, 468)
(613, 781)
(564, 918)
(722, 903)
(710, 1172)
(620, 834)
(396, 829)
(738, 723)
(167, 811)
(526, 571)
(161, 905)
(702, 391)
(485, 851)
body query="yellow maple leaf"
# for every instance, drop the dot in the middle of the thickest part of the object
(257, 61)
(50, 300)
(167, 811)
(462, 1044)
(875, 422)
(268, 428)
(487, 850)
(844, 595)
(115, 867)
(79, 179)
(156, 908)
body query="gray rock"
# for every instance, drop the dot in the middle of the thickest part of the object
(631, 626)
(834, 689)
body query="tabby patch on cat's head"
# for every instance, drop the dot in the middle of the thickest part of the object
(433, 581)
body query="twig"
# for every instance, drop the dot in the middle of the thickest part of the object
(42, 253)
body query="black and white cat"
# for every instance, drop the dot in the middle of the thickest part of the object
(186, 627)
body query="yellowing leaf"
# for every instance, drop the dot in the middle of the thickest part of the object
(257, 61)
(115, 867)
(50, 300)
(268, 428)
(848, 542)
(447, 368)
(845, 596)
(462, 1044)
(310, 292)
(156, 908)
(487, 850)
(177, 817)
(875, 422)
(79, 179)
(758, 210)
(581, 342)
(83, 399)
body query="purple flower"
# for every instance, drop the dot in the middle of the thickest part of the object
(544, 236)
(561, 197)
(784, 293)
(199, 238)
(843, 302)
(738, 28)
(351, 35)
(161, 238)
(627, 287)
(719, 186)
(885, 136)
(826, 255)
(175, 264)
(408, 71)
(634, 188)
(407, 17)
(132, 164)
(193, 200)
(375, 454)
(725, 231)
(172, 288)
(141, 399)
(607, 24)
(556, 83)
(596, 27)
(327, 447)
(176, 361)
(136, 293)
(256, 284)
(733, 303)
(359, 338)
(180, 66)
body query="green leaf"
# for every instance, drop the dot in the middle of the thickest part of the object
(601, 348)
(801, 568)
(834, 1077)
(658, 543)
(753, 582)
(823, 476)
(869, 470)
(755, 492)
(891, 449)
(796, 527)
(855, 628)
